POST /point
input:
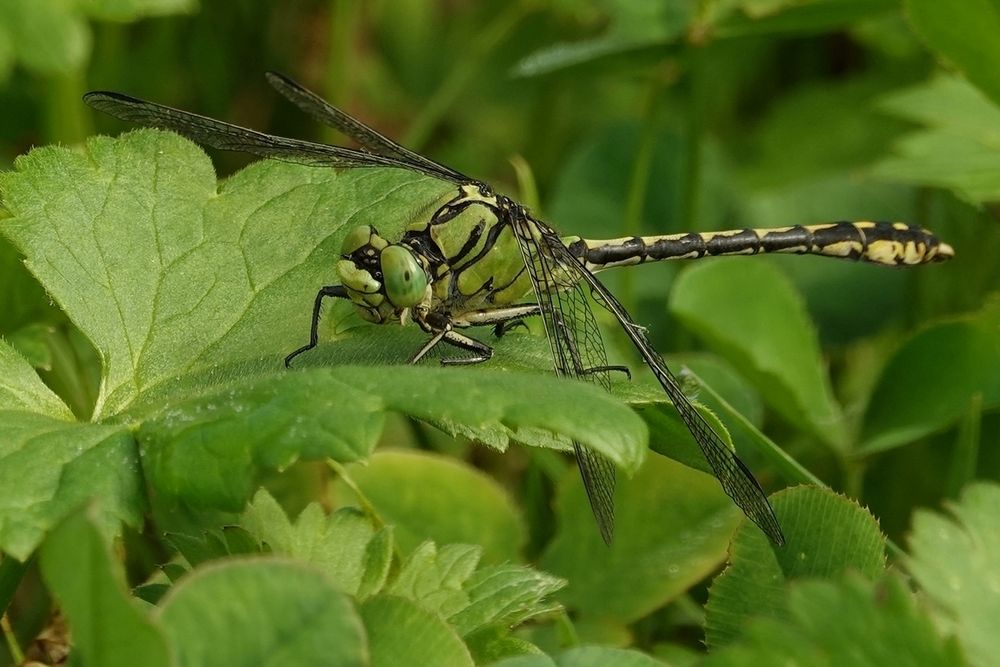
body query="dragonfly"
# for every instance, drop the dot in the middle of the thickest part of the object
(482, 259)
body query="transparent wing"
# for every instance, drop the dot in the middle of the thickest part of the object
(577, 351)
(324, 112)
(553, 267)
(228, 137)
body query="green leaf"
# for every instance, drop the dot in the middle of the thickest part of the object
(21, 389)
(49, 467)
(783, 362)
(953, 560)
(108, 627)
(495, 407)
(47, 36)
(210, 545)
(964, 36)
(826, 535)
(584, 656)
(505, 596)
(493, 646)
(401, 634)
(845, 622)
(170, 274)
(283, 614)
(445, 581)
(31, 342)
(22, 301)
(957, 150)
(526, 661)
(433, 578)
(650, 562)
(344, 545)
(418, 493)
(924, 389)
(208, 451)
(598, 656)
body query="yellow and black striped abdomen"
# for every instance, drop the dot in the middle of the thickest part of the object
(888, 243)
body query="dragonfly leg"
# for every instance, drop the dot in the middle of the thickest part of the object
(335, 291)
(574, 353)
(501, 328)
(608, 369)
(428, 346)
(503, 319)
(480, 351)
(442, 328)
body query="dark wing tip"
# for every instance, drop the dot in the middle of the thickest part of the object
(110, 102)
(280, 81)
(97, 96)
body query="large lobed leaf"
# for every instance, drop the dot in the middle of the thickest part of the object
(847, 621)
(827, 535)
(191, 293)
(418, 494)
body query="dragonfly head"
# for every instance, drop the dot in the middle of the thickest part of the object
(382, 279)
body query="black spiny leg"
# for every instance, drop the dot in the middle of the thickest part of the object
(337, 291)
(443, 329)
(481, 351)
(501, 328)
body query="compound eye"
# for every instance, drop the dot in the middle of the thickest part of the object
(404, 279)
(359, 237)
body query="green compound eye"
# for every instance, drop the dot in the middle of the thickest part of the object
(404, 279)
(360, 237)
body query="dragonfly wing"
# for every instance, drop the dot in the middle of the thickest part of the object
(228, 137)
(736, 479)
(577, 350)
(324, 112)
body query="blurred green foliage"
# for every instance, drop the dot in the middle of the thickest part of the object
(146, 306)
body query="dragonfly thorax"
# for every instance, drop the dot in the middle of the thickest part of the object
(383, 280)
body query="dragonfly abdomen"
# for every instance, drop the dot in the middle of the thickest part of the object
(888, 243)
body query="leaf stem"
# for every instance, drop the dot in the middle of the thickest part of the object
(527, 188)
(16, 654)
(366, 505)
(966, 451)
(790, 469)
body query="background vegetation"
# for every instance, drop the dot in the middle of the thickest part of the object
(145, 310)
